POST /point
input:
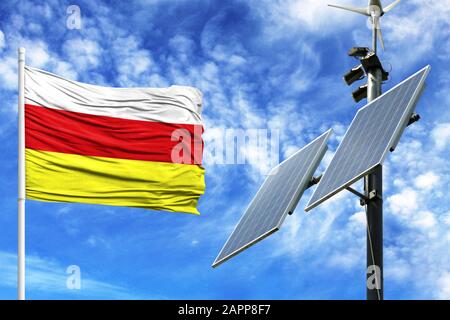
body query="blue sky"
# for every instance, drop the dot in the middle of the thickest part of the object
(260, 64)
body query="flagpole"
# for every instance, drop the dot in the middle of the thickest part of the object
(21, 181)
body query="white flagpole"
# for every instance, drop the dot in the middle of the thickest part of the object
(21, 181)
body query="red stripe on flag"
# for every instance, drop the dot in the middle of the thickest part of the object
(63, 131)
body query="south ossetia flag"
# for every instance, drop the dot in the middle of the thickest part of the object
(133, 147)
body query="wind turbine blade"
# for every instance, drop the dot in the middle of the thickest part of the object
(391, 6)
(380, 36)
(353, 9)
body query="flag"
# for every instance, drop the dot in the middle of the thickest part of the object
(134, 147)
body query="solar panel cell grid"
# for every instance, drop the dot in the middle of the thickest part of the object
(374, 130)
(278, 196)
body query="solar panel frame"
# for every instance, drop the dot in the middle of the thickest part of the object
(292, 203)
(393, 141)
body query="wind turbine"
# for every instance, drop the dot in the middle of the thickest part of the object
(374, 10)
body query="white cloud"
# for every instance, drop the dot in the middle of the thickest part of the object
(415, 24)
(345, 260)
(316, 14)
(446, 218)
(133, 63)
(217, 45)
(158, 81)
(399, 183)
(65, 70)
(403, 203)
(47, 276)
(396, 268)
(37, 54)
(444, 286)
(441, 135)
(64, 210)
(2, 40)
(84, 54)
(309, 15)
(96, 241)
(137, 61)
(290, 150)
(426, 181)
(424, 220)
(17, 22)
(183, 48)
(359, 218)
(35, 28)
(8, 72)
(419, 205)
(310, 232)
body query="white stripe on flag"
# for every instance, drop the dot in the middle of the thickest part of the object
(176, 104)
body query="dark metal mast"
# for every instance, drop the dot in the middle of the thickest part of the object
(373, 183)
(373, 186)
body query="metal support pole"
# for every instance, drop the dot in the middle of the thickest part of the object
(374, 38)
(374, 209)
(375, 79)
(21, 180)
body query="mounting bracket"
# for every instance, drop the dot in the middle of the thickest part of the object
(314, 181)
(414, 118)
(363, 199)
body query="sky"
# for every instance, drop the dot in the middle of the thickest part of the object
(263, 64)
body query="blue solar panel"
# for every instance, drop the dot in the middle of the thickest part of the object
(376, 128)
(277, 197)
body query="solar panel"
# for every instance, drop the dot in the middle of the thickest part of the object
(376, 128)
(277, 197)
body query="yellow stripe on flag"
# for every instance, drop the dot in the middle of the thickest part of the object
(61, 177)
